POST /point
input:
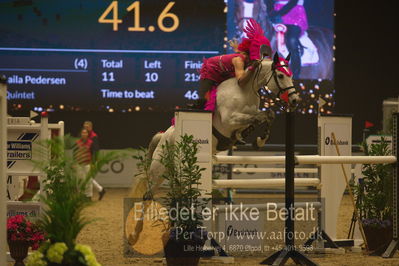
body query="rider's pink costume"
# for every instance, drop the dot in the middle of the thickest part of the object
(217, 69)
(220, 68)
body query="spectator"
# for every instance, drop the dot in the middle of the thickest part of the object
(82, 154)
(88, 125)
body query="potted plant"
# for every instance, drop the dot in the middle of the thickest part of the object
(185, 238)
(22, 234)
(64, 200)
(374, 199)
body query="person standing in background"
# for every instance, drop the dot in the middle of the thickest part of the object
(95, 148)
(83, 157)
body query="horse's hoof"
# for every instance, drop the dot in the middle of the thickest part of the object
(238, 136)
(259, 142)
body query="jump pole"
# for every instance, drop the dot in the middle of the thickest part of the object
(303, 159)
(289, 251)
(394, 245)
(3, 169)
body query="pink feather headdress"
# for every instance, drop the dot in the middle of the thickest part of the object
(255, 38)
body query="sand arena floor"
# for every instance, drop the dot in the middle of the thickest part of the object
(105, 236)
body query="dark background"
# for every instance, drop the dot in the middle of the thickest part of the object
(366, 60)
(365, 74)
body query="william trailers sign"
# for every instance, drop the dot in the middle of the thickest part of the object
(20, 150)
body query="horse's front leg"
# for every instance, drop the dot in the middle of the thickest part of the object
(260, 141)
(249, 122)
(245, 119)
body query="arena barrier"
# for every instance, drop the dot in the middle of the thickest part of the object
(331, 182)
(19, 135)
(3, 167)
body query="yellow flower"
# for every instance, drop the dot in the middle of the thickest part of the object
(35, 259)
(55, 253)
(84, 249)
(88, 255)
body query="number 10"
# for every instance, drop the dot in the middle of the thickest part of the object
(151, 77)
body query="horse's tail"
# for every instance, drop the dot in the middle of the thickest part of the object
(153, 144)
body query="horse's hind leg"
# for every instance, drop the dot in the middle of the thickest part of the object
(157, 169)
(153, 144)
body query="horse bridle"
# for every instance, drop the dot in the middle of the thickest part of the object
(280, 89)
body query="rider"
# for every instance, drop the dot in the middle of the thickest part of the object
(217, 69)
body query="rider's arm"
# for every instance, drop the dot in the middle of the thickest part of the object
(242, 75)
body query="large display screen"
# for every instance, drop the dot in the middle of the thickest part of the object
(116, 55)
(145, 55)
(305, 30)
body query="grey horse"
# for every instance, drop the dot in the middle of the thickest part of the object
(237, 109)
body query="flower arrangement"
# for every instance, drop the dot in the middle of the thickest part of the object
(65, 199)
(21, 229)
(59, 254)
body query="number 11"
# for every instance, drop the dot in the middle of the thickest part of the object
(108, 77)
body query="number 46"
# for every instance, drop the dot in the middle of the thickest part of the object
(191, 95)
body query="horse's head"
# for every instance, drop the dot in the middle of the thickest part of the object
(277, 77)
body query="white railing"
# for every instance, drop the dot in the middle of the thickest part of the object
(303, 159)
